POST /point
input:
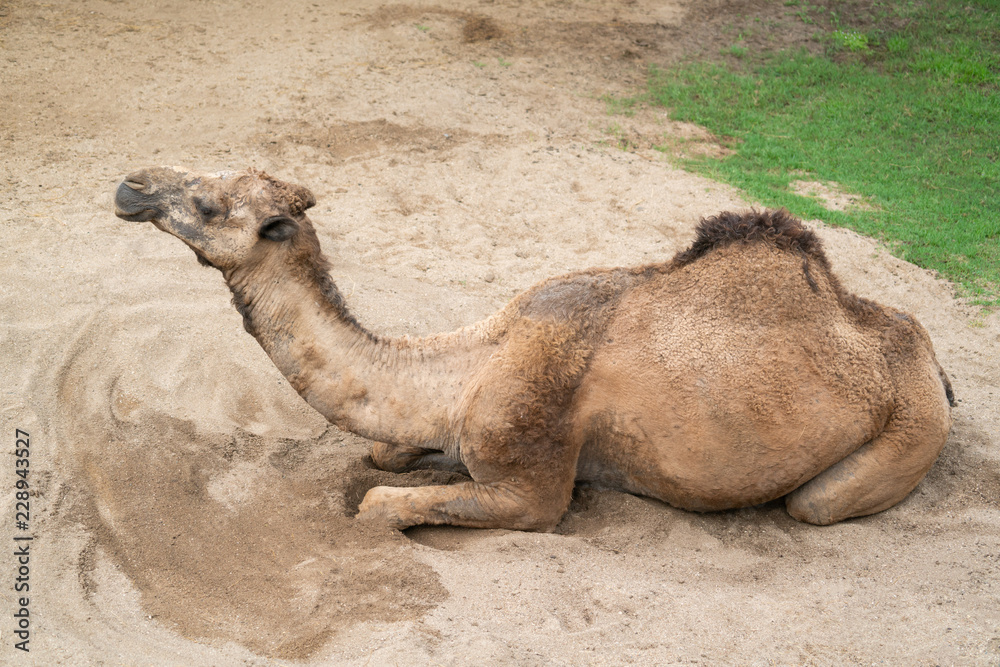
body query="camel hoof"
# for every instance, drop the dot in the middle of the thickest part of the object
(809, 512)
(375, 509)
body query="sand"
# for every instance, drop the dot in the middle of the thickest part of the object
(189, 508)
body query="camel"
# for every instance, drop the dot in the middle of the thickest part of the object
(735, 373)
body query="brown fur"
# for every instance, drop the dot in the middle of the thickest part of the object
(738, 372)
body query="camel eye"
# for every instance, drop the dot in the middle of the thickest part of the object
(205, 208)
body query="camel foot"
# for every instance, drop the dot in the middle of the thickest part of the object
(376, 508)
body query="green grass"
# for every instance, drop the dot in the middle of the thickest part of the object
(909, 118)
(850, 39)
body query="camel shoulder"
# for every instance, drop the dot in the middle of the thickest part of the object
(582, 299)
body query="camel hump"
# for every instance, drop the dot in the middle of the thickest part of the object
(776, 227)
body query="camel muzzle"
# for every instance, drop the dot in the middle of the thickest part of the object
(132, 203)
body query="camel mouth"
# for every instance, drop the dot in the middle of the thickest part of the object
(145, 215)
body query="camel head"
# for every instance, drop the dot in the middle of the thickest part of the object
(230, 219)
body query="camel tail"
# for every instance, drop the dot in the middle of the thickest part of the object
(948, 391)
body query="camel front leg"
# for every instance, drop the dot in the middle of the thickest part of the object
(513, 418)
(404, 458)
(466, 504)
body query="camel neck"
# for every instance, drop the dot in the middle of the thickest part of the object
(392, 390)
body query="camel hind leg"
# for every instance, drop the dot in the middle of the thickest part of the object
(883, 471)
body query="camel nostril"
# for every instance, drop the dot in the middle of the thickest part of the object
(133, 200)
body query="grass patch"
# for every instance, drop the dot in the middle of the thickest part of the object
(850, 39)
(904, 112)
(738, 50)
(621, 106)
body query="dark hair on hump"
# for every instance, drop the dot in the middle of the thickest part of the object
(776, 227)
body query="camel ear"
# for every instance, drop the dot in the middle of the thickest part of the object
(307, 197)
(279, 228)
(302, 199)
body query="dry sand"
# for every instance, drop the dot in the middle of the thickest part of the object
(190, 509)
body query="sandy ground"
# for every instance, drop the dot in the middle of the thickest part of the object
(188, 508)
